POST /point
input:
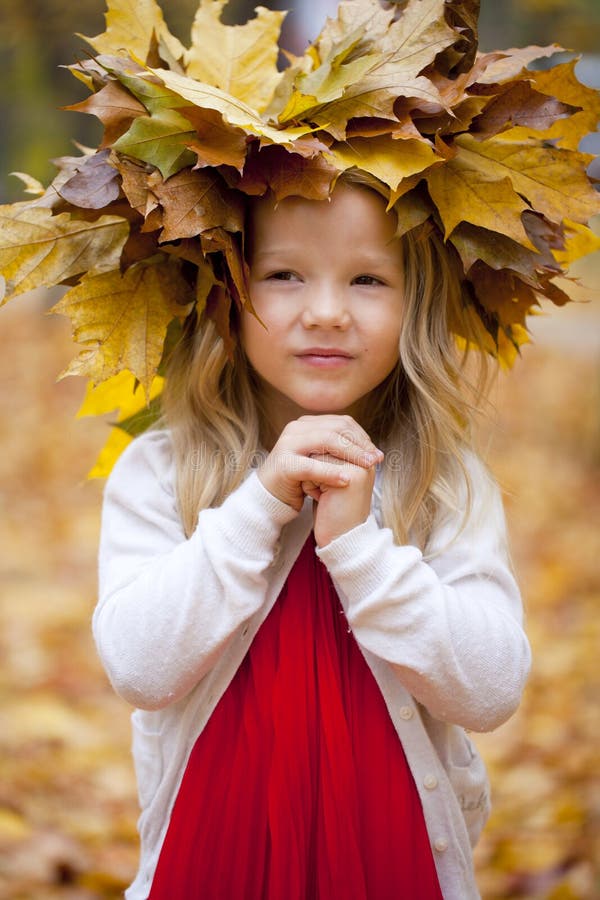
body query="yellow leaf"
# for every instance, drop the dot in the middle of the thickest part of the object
(561, 82)
(239, 59)
(38, 249)
(464, 192)
(121, 320)
(391, 60)
(234, 111)
(553, 180)
(122, 392)
(131, 27)
(387, 159)
(114, 446)
(579, 242)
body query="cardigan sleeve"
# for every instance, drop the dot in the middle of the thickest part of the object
(169, 605)
(450, 621)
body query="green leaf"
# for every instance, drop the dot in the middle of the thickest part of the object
(160, 140)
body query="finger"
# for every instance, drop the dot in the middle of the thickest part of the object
(362, 459)
(311, 490)
(335, 434)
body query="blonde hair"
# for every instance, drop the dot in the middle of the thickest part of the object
(421, 415)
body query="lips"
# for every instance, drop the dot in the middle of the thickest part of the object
(325, 358)
(325, 352)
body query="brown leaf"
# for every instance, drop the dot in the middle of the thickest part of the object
(138, 246)
(562, 83)
(499, 252)
(136, 184)
(195, 201)
(218, 307)
(461, 15)
(412, 210)
(216, 142)
(115, 107)
(287, 174)
(502, 293)
(520, 104)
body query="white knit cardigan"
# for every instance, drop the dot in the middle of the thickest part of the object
(441, 632)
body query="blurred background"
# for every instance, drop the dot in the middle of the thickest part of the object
(67, 796)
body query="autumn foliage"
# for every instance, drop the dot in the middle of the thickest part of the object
(148, 227)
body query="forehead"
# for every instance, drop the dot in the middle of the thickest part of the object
(353, 214)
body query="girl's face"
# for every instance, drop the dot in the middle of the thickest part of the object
(326, 279)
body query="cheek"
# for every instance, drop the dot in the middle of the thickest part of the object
(255, 336)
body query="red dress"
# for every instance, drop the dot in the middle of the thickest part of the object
(298, 787)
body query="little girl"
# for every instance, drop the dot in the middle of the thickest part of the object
(304, 582)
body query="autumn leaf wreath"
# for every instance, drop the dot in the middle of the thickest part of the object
(147, 229)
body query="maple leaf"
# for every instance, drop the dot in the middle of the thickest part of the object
(121, 320)
(137, 181)
(369, 83)
(390, 160)
(122, 392)
(114, 106)
(159, 139)
(561, 82)
(503, 293)
(239, 59)
(197, 201)
(411, 210)
(215, 143)
(521, 105)
(94, 185)
(38, 249)
(287, 174)
(499, 252)
(234, 111)
(133, 26)
(506, 64)
(553, 180)
(462, 192)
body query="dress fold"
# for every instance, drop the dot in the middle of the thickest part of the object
(298, 787)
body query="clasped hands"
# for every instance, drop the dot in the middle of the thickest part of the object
(330, 458)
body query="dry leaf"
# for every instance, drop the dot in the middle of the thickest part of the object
(121, 320)
(241, 59)
(38, 249)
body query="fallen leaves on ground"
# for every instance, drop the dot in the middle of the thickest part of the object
(67, 795)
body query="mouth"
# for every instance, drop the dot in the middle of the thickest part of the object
(325, 357)
(325, 353)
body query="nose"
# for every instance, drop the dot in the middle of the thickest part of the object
(325, 307)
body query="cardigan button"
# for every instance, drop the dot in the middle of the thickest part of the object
(406, 712)
(440, 844)
(430, 782)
